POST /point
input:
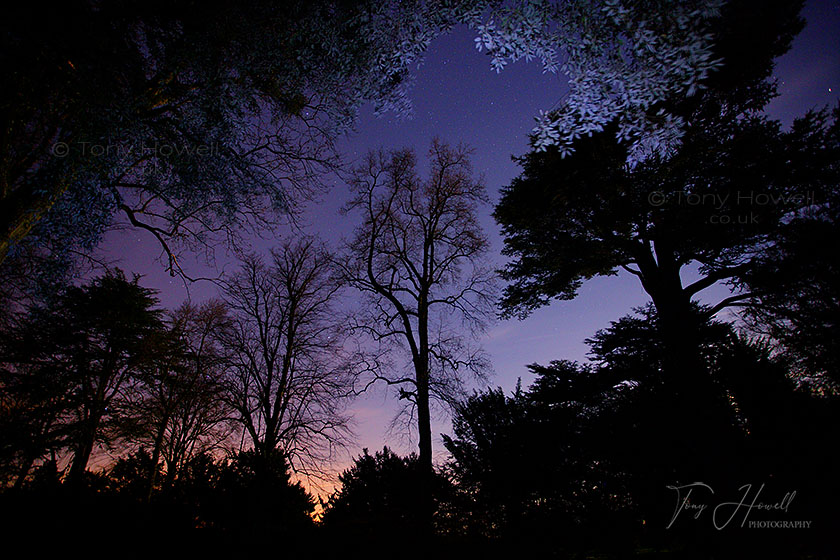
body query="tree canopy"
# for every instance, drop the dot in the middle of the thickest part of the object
(721, 204)
(723, 196)
(379, 495)
(185, 121)
(192, 123)
(592, 447)
(82, 352)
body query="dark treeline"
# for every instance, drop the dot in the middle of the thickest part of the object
(584, 459)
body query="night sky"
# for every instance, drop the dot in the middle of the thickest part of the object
(459, 98)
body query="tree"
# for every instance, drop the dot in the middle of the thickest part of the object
(181, 410)
(86, 351)
(419, 257)
(378, 498)
(253, 498)
(35, 402)
(795, 282)
(524, 467)
(763, 426)
(185, 122)
(188, 122)
(716, 203)
(494, 437)
(133, 474)
(285, 375)
(104, 325)
(596, 441)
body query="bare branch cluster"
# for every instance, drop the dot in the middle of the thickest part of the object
(287, 377)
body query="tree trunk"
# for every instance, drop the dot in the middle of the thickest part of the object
(84, 448)
(424, 426)
(156, 457)
(697, 419)
(80, 459)
(21, 211)
(23, 472)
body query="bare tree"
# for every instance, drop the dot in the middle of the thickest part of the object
(286, 379)
(420, 257)
(181, 409)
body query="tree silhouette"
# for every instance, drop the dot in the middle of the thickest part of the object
(762, 427)
(184, 122)
(180, 409)
(285, 375)
(588, 448)
(715, 204)
(90, 343)
(133, 475)
(419, 257)
(379, 497)
(495, 438)
(795, 282)
(36, 398)
(256, 501)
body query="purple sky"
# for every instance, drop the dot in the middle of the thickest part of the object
(458, 98)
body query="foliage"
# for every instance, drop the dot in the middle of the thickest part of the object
(130, 475)
(34, 402)
(254, 497)
(795, 282)
(79, 357)
(592, 447)
(186, 122)
(379, 497)
(568, 219)
(622, 60)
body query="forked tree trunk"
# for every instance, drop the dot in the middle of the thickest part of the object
(84, 449)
